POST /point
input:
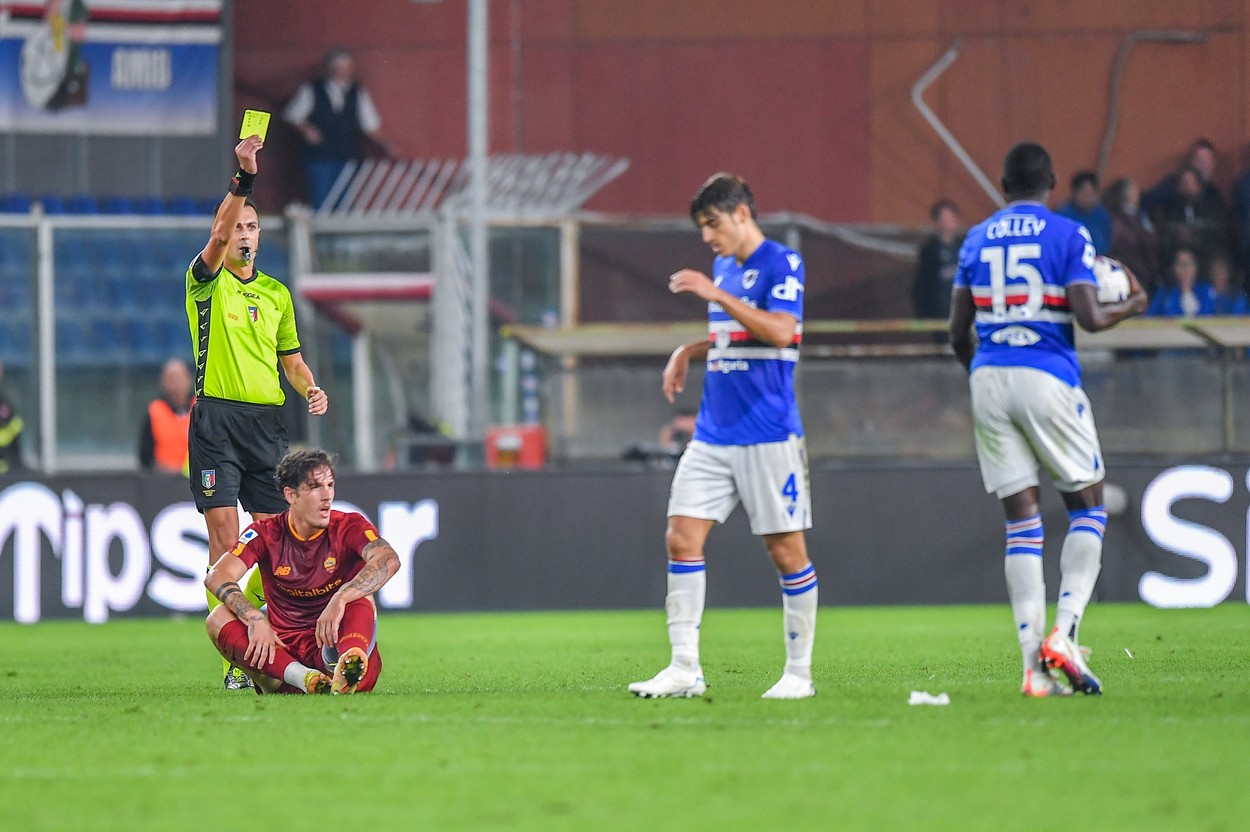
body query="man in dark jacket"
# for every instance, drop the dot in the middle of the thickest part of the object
(334, 114)
(938, 259)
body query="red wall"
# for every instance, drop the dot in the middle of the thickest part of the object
(809, 99)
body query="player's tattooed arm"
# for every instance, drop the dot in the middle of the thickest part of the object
(381, 564)
(233, 598)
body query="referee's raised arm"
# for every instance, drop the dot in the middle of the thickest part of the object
(231, 208)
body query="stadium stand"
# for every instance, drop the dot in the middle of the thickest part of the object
(118, 292)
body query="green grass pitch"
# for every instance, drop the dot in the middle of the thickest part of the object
(522, 721)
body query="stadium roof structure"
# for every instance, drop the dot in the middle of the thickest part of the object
(520, 187)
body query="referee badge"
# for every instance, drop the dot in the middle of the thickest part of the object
(208, 479)
(253, 312)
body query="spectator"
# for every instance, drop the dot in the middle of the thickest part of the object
(333, 114)
(1083, 207)
(1186, 297)
(1165, 195)
(163, 437)
(1194, 220)
(938, 259)
(1133, 239)
(1241, 215)
(11, 427)
(675, 435)
(1230, 299)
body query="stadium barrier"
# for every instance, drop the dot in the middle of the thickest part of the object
(97, 546)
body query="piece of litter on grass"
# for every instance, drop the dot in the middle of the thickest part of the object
(923, 697)
(1126, 650)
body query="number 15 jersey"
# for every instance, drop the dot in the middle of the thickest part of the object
(1019, 264)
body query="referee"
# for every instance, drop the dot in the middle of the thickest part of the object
(242, 324)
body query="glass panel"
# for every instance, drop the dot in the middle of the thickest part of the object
(120, 314)
(904, 408)
(399, 368)
(525, 274)
(19, 378)
(406, 251)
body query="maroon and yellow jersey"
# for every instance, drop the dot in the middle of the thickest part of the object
(300, 576)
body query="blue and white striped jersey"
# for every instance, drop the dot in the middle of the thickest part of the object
(1019, 264)
(748, 392)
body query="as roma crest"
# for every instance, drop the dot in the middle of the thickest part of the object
(329, 563)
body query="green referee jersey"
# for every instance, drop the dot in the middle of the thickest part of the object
(239, 328)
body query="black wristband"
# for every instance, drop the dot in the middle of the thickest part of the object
(242, 182)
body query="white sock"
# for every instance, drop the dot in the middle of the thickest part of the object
(1026, 586)
(294, 675)
(687, 592)
(1079, 565)
(799, 596)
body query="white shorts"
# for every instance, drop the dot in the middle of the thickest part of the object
(770, 479)
(1025, 419)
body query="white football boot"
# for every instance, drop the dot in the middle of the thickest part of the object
(671, 682)
(790, 686)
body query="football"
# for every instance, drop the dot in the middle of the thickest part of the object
(1112, 281)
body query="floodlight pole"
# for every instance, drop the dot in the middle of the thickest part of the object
(479, 409)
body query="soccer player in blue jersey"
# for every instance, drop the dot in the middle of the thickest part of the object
(1024, 276)
(748, 441)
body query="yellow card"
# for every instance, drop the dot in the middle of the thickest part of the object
(255, 123)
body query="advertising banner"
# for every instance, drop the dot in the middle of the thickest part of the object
(98, 546)
(110, 67)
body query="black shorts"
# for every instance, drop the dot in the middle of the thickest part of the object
(233, 451)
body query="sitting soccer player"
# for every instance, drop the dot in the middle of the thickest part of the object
(319, 568)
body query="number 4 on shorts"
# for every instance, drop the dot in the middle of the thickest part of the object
(791, 489)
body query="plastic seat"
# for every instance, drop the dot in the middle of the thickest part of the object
(15, 204)
(54, 205)
(74, 270)
(175, 337)
(17, 347)
(65, 294)
(109, 343)
(16, 294)
(123, 294)
(94, 295)
(183, 206)
(15, 266)
(82, 204)
(149, 205)
(118, 205)
(72, 348)
(142, 340)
